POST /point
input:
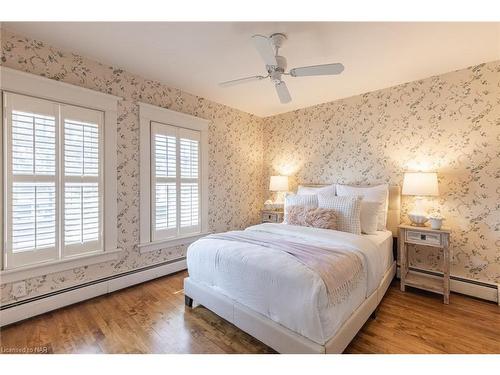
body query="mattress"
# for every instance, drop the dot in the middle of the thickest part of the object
(276, 285)
(383, 240)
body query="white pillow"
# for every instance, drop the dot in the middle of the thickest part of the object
(347, 209)
(300, 200)
(379, 193)
(308, 190)
(369, 216)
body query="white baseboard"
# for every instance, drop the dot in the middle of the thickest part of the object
(42, 305)
(489, 292)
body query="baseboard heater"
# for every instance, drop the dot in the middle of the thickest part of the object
(27, 308)
(473, 288)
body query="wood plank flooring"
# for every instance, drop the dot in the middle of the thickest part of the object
(151, 318)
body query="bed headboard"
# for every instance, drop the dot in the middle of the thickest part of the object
(394, 211)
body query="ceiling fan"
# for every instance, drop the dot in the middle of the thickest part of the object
(276, 65)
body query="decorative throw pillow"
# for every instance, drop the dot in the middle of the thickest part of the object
(379, 193)
(347, 209)
(369, 216)
(300, 200)
(311, 217)
(310, 190)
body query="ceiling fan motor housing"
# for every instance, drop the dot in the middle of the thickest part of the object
(275, 72)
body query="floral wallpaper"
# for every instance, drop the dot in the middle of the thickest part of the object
(235, 154)
(448, 123)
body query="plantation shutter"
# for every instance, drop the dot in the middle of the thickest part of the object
(54, 189)
(31, 180)
(164, 180)
(82, 180)
(175, 182)
(189, 144)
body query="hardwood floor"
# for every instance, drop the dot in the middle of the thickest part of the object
(151, 318)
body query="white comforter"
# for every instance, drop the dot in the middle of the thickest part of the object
(277, 285)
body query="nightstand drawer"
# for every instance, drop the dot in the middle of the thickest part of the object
(272, 217)
(424, 238)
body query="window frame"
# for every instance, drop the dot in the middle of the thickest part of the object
(149, 114)
(27, 84)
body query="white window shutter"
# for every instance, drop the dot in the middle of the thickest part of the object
(82, 198)
(31, 181)
(189, 141)
(33, 216)
(175, 181)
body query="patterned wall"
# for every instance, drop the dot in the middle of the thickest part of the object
(235, 151)
(448, 123)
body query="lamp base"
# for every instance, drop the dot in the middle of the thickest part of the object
(418, 220)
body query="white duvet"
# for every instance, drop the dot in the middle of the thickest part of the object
(275, 284)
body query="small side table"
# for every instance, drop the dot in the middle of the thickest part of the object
(409, 234)
(272, 216)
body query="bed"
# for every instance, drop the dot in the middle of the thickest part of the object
(279, 301)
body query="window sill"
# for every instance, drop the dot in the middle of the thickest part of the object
(162, 244)
(28, 272)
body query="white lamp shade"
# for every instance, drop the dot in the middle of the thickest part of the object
(278, 183)
(420, 183)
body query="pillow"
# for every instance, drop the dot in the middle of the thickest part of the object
(300, 200)
(309, 190)
(311, 217)
(348, 210)
(379, 193)
(369, 216)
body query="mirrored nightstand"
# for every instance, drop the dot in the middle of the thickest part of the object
(272, 216)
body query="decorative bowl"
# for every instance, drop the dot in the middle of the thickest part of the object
(418, 219)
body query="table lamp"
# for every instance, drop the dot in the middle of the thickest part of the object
(420, 184)
(279, 184)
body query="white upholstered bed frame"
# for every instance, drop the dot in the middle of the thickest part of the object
(277, 336)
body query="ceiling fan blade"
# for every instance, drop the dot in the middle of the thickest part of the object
(317, 70)
(265, 49)
(240, 80)
(283, 92)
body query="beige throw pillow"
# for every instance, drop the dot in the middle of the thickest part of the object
(311, 217)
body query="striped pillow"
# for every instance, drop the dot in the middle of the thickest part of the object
(347, 209)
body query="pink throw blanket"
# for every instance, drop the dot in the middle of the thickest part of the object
(339, 269)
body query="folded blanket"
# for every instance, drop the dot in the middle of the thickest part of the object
(339, 269)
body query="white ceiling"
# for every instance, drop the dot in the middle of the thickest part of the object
(196, 56)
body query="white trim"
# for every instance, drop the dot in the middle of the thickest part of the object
(167, 116)
(162, 244)
(110, 218)
(3, 164)
(34, 85)
(18, 82)
(491, 293)
(150, 274)
(40, 269)
(149, 113)
(37, 307)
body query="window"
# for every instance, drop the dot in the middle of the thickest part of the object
(57, 144)
(53, 181)
(173, 177)
(176, 183)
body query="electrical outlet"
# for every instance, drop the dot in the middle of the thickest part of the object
(19, 289)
